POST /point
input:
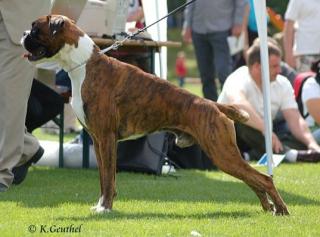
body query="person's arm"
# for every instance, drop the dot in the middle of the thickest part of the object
(255, 121)
(240, 101)
(240, 17)
(186, 29)
(313, 109)
(299, 128)
(288, 40)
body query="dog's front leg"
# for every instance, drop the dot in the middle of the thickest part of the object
(98, 207)
(106, 158)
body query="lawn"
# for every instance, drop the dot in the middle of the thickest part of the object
(192, 203)
(197, 202)
(208, 203)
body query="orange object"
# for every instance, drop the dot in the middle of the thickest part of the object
(275, 19)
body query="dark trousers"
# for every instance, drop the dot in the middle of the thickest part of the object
(253, 142)
(44, 104)
(214, 60)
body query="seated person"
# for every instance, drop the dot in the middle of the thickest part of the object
(310, 97)
(243, 88)
(44, 104)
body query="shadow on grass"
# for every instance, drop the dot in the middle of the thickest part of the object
(52, 187)
(116, 215)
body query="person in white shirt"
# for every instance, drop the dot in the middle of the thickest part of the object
(302, 34)
(243, 88)
(310, 97)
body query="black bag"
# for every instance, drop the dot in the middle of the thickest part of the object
(146, 154)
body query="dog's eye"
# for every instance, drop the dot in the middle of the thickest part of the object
(34, 32)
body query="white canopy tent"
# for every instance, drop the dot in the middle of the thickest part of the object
(153, 11)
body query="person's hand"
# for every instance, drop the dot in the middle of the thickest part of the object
(236, 30)
(186, 35)
(314, 146)
(291, 60)
(276, 143)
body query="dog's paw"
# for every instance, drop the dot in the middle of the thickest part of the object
(268, 206)
(100, 209)
(282, 211)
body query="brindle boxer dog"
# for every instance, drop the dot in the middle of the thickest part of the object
(115, 100)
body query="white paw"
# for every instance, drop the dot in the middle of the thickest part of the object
(99, 208)
(102, 209)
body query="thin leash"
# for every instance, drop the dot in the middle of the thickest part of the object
(129, 36)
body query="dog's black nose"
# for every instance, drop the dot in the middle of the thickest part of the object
(26, 32)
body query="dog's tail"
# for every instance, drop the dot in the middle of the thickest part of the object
(233, 113)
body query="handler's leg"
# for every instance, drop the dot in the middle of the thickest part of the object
(16, 146)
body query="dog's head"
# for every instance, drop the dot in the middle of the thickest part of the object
(48, 35)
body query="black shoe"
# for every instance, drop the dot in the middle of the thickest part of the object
(21, 171)
(308, 156)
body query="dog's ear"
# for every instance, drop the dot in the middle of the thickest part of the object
(55, 24)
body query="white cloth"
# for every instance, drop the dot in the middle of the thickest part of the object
(310, 90)
(281, 92)
(306, 14)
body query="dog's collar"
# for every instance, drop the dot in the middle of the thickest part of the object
(77, 67)
(114, 46)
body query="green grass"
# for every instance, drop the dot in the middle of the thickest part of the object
(53, 137)
(211, 203)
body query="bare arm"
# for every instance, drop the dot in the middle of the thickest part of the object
(313, 109)
(186, 35)
(299, 128)
(186, 29)
(239, 17)
(255, 121)
(288, 39)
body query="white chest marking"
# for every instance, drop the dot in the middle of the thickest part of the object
(76, 101)
(72, 57)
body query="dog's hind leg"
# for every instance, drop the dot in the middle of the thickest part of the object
(106, 148)
(220, 144)
(266, 204)
(260, 183)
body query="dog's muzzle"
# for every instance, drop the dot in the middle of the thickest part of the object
(36, 50)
